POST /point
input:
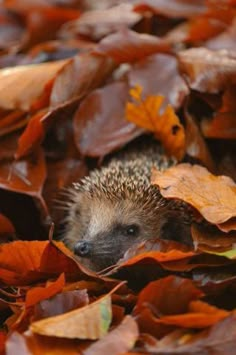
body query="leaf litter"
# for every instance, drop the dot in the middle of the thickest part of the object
(75, 87)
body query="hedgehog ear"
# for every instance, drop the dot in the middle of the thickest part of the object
(175, 229)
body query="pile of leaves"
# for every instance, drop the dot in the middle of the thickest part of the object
(78, 81)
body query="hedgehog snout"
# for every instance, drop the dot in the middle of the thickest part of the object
(82, 248)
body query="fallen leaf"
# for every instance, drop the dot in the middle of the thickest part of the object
(161, 296)
(22, 85)
(225, 40)
(6, 226)
(200, 315)
(212, 240)
(23, 262)
(37, 294)
(99, 123)
(172, 8)
(61, 303)
(29, 343)
(117, 341)
(99, 23)
(213, 196)
(129, 46)
(89, 322)
(11, 29)
(211, 341)
(210, 23)
(222, 125)
(166, 125)
(207, 71)
(158, 75)
(196, 146)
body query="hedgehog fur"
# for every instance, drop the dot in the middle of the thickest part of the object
(116, 206)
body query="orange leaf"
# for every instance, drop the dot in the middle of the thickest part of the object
(21, 86)
(166, 125)
(200, 315)
(159, 256)
(22, 262)
(37, 294)
(213, 196)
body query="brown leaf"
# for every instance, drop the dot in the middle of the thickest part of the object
(117, 341)
(213, 196)
(60, 303)
(207, 71)
(25, 176)
(161, 295)
(29, 343)
(165, 125)
(84, 73)
(6, 227)
(172, 8)
(11, 29)
(196, 146)
(212, 241)
(99, 123)
(74, 80)
(168, 82)
(99, 23)
(222, 125)
(129, 46)
(211, 341)
(89, 322)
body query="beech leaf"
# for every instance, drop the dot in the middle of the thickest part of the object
(213, 196)
(89, 322)
(117, 341)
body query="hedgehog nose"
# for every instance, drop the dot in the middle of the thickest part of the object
(82, 248)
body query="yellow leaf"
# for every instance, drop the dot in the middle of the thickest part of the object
(166, 126)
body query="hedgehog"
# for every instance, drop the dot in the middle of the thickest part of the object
(116, 206)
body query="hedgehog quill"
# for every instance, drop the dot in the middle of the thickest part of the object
(116, 206)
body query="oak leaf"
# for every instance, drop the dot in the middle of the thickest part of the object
(166, 126)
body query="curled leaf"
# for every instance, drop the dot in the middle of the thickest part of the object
(213, 196)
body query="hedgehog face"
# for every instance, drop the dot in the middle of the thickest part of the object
(101, 230)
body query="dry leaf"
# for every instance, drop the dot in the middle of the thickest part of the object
(89, 322)
(99, 123)
(37, 294)
(23, 262)
(129, 46)
(158, 74)
(118, 341)
(213, 196)
(207, 71)
(166, 125)
(21, 86)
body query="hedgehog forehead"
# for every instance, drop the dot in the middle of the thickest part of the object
(106, 214)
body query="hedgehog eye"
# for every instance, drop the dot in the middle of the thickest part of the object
(132, 230)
